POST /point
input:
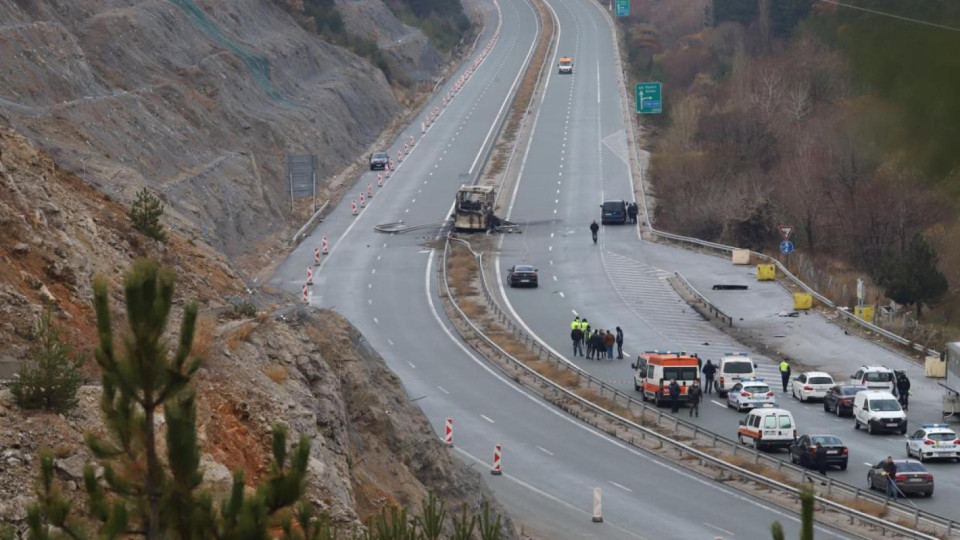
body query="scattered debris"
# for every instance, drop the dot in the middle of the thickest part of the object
(721, 287)
(788, 314)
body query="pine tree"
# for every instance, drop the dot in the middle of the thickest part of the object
(144, 494)
(913, 278)
(145, 215)
(54, 374)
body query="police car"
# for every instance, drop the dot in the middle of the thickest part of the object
(933, 441)
(749, 394)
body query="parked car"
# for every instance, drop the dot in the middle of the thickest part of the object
(811, 385)
(874, 378)
(839, 399)
(379, 161)
(803, 451)
(912, 477)
(613, 212)
(750, 394)
(878, 411)
(733, 368)
(522, 275)
(934, 441)
(767, 428)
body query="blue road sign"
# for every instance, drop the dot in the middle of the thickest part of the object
(786, 247)
(623, 8)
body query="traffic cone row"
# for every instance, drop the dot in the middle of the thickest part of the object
(462, 79)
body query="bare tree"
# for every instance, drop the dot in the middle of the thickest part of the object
(798, 101)
(767, 90)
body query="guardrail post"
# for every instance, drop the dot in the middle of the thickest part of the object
(676, 424)
(659, 416)
(949, 527)
(916, 518)
(713, 443)
(829, 485)
(756, 456)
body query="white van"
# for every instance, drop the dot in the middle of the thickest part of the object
(732, 369)
(874, 378)
(768, 428)
(878, 411)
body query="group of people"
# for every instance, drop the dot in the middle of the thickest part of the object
(598, 343)
(694, 396)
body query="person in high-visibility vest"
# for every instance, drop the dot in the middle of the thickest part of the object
(784, 374)
(575, 325)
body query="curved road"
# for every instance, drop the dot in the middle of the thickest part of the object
(577, 157)
(386, 286)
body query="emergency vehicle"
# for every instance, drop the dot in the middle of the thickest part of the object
(566, 65)
(933, 441)
(653, 371)
(750, 394)
(768, 428)
(732, 369)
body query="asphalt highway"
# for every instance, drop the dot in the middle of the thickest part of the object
(386, 286)
(577, 158)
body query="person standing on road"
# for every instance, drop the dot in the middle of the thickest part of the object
(619, 343)
(577, 336)
(903, 388)
(785, 374)
(709, 371)
(575, 323)
(695, 394)
(890, 471)
(674, 391)
(594, 228)
(599, 349)
(608, 342)
(820, 459)
(632, 212)
(591, 340)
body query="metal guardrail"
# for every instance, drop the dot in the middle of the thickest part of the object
(917, 516)
(309, 222)
(701, 299)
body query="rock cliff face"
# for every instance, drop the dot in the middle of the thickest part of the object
(371, 447)
(198, 99)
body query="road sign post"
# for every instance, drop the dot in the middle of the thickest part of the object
(649, 98)
(786, 231)
(623, 8)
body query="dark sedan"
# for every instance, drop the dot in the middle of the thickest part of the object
(804, 451)
(912, 477)
(839, 399)
(522, 275)
(379, 161)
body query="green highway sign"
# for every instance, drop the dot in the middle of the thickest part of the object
(623, 8)
(649, 100)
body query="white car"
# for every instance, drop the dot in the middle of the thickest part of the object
(933, 441)
(811, 385)
(750, 394)
(874, 378)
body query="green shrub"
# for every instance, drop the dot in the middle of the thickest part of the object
(145, 215)
(54, 374)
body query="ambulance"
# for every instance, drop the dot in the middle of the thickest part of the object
(653, 371)
(767, 428)
(565, 65)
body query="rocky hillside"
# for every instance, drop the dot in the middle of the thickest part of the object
(371, 446)
(198, 99)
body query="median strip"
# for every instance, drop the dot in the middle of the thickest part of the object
(494, 335)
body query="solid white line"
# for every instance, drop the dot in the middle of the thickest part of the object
(598, 90)
(487, 418)
(724, 531)
(442, 389)
(545, 451)
(715, 402)
(625, 488)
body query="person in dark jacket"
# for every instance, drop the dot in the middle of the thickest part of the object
(588, 343)
(890, 470)
(674, 391)
(594, 228)
(820, 459)
(709, 371)
(592, 351)
(599, 348)
(632, 212)
(903, 388)
(577, 336)
(619, 343)
(694, 394)
(608, 342)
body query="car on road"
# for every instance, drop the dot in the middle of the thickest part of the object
(912, 477)
(878, 411)
(767, 428)
(379, 161)
(803, 452)
(613, 212)
(933, 441)
(732, 369)
(522, 275)
(839, 399)
(565, 65)
(750, 394)
(874, 378)
(811, 385)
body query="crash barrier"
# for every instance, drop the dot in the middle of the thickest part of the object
(740, 256)
(597, 505)
(701, 299)
(766, 272)
(896, 511)
(302, 232)
(496, 461)
(802, 301)
(399, 227)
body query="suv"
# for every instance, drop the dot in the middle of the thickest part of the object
(379, 161)
(732, 369)
(878, 411)
(566, 65)
(613, 212)
(874, 378)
